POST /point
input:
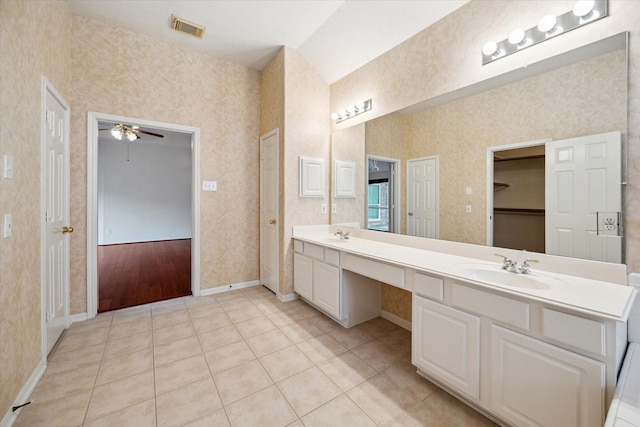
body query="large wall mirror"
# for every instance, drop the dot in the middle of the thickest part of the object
(578, 94)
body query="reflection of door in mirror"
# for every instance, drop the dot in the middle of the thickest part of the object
(381, 194)
(422, 197)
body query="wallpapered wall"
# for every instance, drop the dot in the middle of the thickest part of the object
(172, 85)
(28, 52)
(446, 57)
(580, 99)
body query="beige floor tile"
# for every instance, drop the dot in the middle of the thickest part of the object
(83, 339)
(241, 303)
(229, 356)
(130, 327)
(243, 313)
(172, 333)
(191, 301)
(168, 306)
(268, 306)
(454, 411)
(285, 363)
(321, 348)
(404, 375)
(229, 296)
(205, 310)
(178, 374)
(125, 365)
(117, 395)
(308, 390)
(377, 354)
(140, 415)
(214, 419)
(264, 408)
(379, 326)
(102, 320)
(68, 411)
(381, 400)
(398, 339)
(268, 342)
(241, 381)
(301, 330)
(211, 322)
(176, 350)
(82, 357)
(139, 312)
(282, 318)
(188, 403)
(351, 337)
(296, 423)
(179, 315)
(219, 338)
(337, 412)
(325, 323)
(420, 416)
(255, 326)
(128, 344)
(56, 385)
(347, 370)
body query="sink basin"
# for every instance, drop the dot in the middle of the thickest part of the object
(494, 274)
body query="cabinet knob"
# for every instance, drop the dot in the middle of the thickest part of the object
(67, 229)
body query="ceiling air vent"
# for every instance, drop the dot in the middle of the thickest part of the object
(187, 27)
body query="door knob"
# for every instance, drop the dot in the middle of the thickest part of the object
(272, 221)
(410, 213)
(67, 229)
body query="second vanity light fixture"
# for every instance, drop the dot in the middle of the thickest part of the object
(352, 111)
(583, 13)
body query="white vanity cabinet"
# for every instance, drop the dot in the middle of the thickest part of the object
(316, 276)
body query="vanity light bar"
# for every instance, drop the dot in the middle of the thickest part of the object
(583, 13)
(352, 111)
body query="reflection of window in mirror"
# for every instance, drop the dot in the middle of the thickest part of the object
(378, 205)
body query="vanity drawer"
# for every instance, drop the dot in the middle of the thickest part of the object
(314, 251)
(331, 256)
(585, 334)
(298, 246)
(505, 310)
(374, 269)
(427, 286)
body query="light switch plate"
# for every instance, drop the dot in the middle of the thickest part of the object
(468, 208)
(334, 208)
(467, 190)
(8, 226)
(7, 167)
(323, 208)
(209, 186)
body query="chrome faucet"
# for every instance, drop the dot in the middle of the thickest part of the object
(513, 267)
(342, 235)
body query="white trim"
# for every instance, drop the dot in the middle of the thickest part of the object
(490, 154)
(397, 197)
(227, 288)
(23, 397)
(403, 323)
(92, 200)
(634, 279)
(48, 87)
(79, 317)
(287, 297)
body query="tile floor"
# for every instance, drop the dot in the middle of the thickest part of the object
(240, 358)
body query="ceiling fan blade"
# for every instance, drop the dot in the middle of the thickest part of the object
(148, 133)
(106, 129)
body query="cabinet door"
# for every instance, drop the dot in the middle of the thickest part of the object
(446, 344)
(303, 276)
(326, 288)
(537, 384)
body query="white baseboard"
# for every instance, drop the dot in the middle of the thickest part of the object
(227, 288)
(403, 323)
(287, 297)
(634, 279)
(78, 317)
(23, 396)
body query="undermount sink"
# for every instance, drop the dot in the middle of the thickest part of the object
(494, 274)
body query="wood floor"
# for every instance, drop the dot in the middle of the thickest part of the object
(139, 273)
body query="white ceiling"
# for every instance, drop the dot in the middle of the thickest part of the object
(335, 36)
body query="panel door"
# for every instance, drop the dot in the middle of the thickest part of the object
(582, 177)
(303, 276)
(269, 252)
(326, 287)
(537, 384)
(422, 197)
(446, 344)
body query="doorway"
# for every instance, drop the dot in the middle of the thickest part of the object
(122, 224)
(382, 194)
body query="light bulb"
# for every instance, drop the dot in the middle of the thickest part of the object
(131, 136)
(583, 8)
(334, 116)
(117, 133)
(516, 36)
(490, 48)
(351, 109)
(342, 113)
(360, 105)
(547, 24)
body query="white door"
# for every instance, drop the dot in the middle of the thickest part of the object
(56, 215)
(583, 177)
(269, 259)
(422, 197)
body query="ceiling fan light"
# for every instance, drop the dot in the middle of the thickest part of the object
(131, 136)
(117, 133)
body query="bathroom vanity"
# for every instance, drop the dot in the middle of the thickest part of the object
(539, 349)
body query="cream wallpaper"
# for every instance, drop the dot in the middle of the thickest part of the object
(446, 57)
(171, 85)
(28, 52)
(348, 146)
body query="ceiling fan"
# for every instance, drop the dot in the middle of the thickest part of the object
(130, 132)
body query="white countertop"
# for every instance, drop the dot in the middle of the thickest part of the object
(605, 299)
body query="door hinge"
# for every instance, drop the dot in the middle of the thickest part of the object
(47, 316)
